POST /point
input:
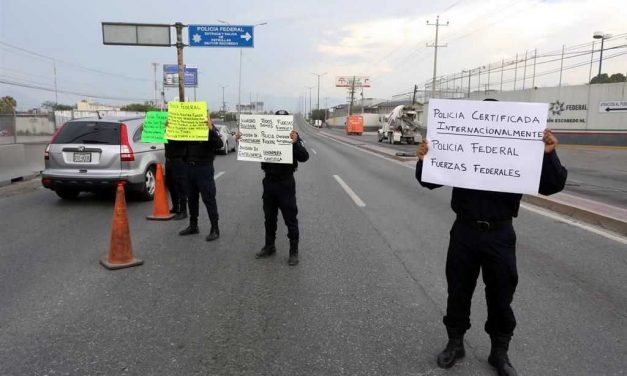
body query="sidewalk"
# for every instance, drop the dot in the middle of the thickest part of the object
(585, 206)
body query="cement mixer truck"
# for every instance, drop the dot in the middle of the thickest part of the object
(401, 125)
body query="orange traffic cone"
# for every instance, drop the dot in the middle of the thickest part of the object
(160, 208)
(120, 250)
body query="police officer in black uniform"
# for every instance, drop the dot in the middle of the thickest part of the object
(279, 192)
(175, 177)
(483, 237)
(198, 159)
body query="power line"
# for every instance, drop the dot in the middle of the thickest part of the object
(71, 64)
(40, 87)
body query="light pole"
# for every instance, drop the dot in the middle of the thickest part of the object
(223, 102)
(319, 75)
(239, 85)
(600, 35)
(310, 110)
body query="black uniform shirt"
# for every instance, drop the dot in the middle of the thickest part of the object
(497, 206)
(203, 152)
(299, 153)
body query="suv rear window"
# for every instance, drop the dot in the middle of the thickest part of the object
(89, 132)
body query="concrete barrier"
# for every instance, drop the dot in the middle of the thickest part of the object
(20, 162)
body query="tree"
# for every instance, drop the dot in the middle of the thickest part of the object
(139, 107)
(230, 116)
(52, 106)
(7, 105)
(318, 115)
(605, 79)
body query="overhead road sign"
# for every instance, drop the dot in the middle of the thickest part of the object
(613, 106)
(135, 34)
(171, 75)
(347, 81)
(221, 35)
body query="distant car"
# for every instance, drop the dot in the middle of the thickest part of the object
(228, 138)
(318, 123)
(88, 155)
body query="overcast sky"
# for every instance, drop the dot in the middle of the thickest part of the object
(383, 40)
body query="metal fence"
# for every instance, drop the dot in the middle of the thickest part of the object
(566, 66)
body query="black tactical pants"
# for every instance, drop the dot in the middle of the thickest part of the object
(280, 193)
(493, 251)
(201, 183)
(175, 180)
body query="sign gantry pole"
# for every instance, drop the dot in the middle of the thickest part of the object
(179, 55)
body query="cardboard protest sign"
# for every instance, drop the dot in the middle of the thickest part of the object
(492, 146)
(154, 128)
(265, 138)
(187, 121)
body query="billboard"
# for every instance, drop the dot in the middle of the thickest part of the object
(171, 76)
(347, 81)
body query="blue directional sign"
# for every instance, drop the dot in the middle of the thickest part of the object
(221, 35)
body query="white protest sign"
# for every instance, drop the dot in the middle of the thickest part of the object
(491, 146)
(265, 138)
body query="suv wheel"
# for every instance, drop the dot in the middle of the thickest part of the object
(67, 194)
(226, 148)
(147, 192)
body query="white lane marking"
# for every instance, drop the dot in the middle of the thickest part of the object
(350, 192)
(573, 222)
(216, 176)
(535, 209)
(313, 151)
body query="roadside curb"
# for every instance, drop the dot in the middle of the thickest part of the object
(580, 212)
(6, 180)
(585, 210)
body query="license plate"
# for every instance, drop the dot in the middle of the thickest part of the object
(82, 157)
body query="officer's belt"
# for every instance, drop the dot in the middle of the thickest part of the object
(484, 225)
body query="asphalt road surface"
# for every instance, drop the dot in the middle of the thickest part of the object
(366, 299)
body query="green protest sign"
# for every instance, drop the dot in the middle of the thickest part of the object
(187, 121)
(154, 128)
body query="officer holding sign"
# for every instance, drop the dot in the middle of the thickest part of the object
(198, 160)
(279, 193)
(483, 238)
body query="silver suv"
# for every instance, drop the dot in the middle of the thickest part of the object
(91, 154)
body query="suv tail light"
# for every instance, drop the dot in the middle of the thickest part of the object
(126, 152)
(54, 137)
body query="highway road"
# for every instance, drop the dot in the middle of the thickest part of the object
(366, 299)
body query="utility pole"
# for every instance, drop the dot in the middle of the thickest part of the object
(179, 54)
(310, 109)
(319, 75)
(154, 66)
(561, 66)
(223, 102)
(435, 46)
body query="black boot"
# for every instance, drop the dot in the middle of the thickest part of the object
(191, 229)
(498, 356)
(181, 210)
(181, 214)
(214, 233)
(454, 350)
(268, 250)
(293, 259)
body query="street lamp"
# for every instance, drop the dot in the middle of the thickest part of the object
(223, 102)
(601, 35)
(310, 110)
(239, 85)
(319, 75)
